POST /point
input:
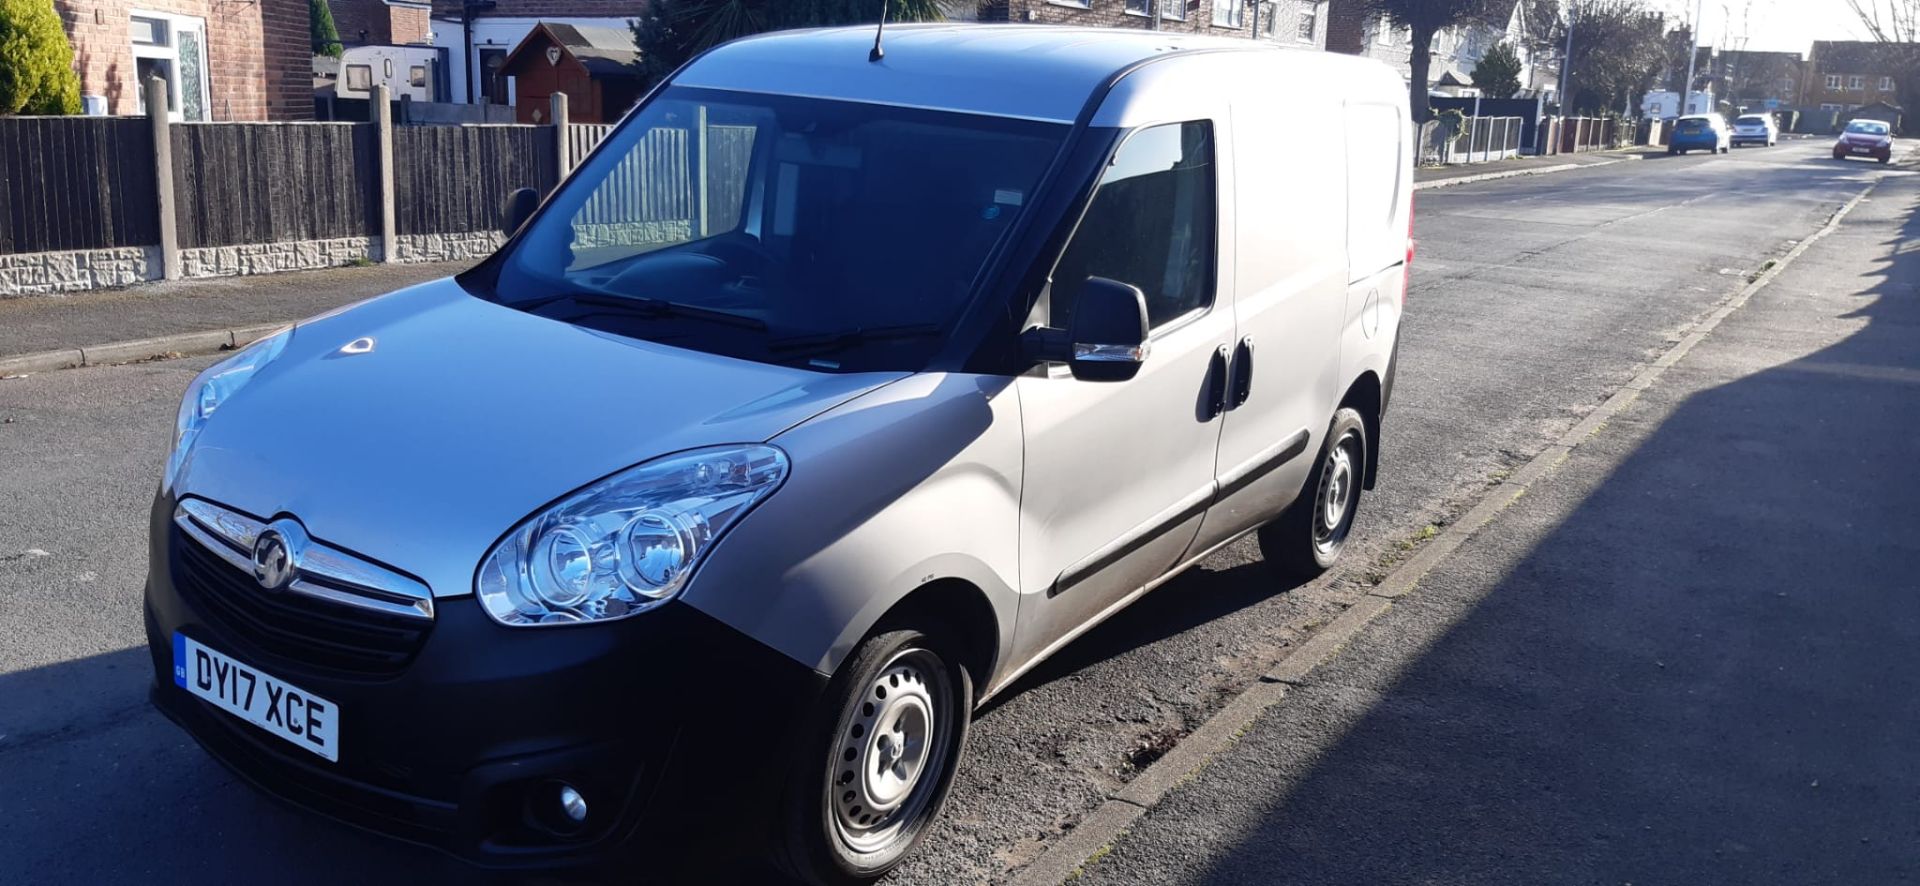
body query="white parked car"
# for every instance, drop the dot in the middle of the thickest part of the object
(1755, 129)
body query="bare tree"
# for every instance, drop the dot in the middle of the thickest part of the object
(1895, 25)
(1889, 21)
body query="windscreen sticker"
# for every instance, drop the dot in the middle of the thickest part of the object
(1007, 197)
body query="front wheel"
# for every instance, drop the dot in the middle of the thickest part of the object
(878, 760)
(1309, 536)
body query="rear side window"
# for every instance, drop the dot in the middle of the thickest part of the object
(1152, 224)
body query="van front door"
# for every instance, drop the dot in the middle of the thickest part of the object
(1119, 474)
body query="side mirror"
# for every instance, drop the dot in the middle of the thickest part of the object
(1108, 333)
(519, 208)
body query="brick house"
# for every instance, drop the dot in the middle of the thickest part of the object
(376, 23)
(1845, 74)
(222, 59)
(1758, 80)
(1289, 22)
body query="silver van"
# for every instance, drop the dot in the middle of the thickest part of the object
(823, 400)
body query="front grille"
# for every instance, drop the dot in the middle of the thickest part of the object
(294, 632)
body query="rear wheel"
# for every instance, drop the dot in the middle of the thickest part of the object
(878, 760)
(1309, 536)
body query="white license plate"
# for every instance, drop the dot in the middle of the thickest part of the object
(1863, 150)
(288, 712)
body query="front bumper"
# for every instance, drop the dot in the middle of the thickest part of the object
(1844, 151)
(673, 725)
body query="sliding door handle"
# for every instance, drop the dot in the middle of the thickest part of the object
(1217, 385)
(1242, 387)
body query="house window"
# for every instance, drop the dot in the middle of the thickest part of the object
(417, 76)
(1174, 10)
(1151, 224)
(1856, 82)
(1886, 84)
(1140, 7)
(172, 48)
(1830, 107)
(1268, 18)
(1309, 23)
(1229, 13)
(360, 78)
(1382, 33)
(1833, 81)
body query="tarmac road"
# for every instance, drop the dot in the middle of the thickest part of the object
(1534, 298)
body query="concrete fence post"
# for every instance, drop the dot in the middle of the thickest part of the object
(562, 144)
(389, 235)
(156, 90)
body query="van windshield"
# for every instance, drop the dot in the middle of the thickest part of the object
(834, 235)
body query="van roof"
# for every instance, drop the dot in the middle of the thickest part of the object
(1031, 71)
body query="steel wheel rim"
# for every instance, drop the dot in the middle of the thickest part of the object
(886, 764)
(1336, 500)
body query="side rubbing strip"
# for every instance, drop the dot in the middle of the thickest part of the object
(1265, 463)
(1161, 524)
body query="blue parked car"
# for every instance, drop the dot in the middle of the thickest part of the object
(1705, 132)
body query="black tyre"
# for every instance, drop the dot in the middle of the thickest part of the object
(1309, 536)
(876, 763)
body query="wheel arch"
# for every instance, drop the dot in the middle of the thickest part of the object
(954, 609)
(1367, 397)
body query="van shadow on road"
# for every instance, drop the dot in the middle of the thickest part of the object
(1705, 672)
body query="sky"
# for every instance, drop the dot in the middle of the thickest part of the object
(1790, 25)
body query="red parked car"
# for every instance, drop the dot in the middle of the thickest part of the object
(1865, 138)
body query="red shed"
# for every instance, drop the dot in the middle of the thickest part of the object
(594, 65)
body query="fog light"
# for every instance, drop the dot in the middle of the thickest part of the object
(573, 807)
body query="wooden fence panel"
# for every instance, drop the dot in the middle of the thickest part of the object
(237, 183)
(76, 183)
(659, 178)
(455, 179)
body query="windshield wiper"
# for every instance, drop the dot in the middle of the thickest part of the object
(641, 306)
(842, 339)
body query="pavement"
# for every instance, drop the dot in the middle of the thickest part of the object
(181, 309)
(1432, 176)
(1688, 656)
(1535, 298)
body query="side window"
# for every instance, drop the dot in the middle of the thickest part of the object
(1151, 224)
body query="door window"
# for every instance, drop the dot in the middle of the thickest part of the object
(1152, 224)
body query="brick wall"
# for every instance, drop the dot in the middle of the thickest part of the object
(363, 22)
(287, 51)
(247, 79)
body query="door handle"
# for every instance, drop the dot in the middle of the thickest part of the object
(1242, 387)
(1217, 383)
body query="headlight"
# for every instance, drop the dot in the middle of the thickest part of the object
(627, 543)
(213, 387)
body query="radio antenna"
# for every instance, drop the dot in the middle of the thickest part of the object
(878, 32)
